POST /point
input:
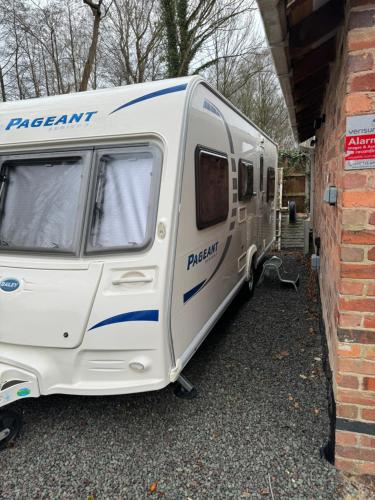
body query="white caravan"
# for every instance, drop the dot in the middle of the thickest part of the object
(129, 219)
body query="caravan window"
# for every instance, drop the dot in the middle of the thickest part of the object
(270, 184)
(261, 174)
(245, 180)
(124, 205)
(40, 201)
(212, 187)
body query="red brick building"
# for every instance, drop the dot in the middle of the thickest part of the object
(324, 53)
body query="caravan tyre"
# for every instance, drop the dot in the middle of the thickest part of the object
(10, 426)
(249, 286)
(251, 282)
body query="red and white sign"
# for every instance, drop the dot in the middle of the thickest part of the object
(360, 142)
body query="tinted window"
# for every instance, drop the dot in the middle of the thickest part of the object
(212, 187)
(261, 174)
(270, 184)
(245, 180)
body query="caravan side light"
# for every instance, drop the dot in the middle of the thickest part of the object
(137, 366)
(140, 364)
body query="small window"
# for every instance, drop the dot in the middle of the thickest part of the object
(212, 187)
(270, 184)
(124, 211)
(261, 174)
(245, 180)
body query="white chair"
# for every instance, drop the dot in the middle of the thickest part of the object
(275, 265)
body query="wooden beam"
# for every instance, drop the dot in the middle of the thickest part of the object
(299, 10)
(317, 25)
(314, 98)
(314, 102)
(314, 60)
(311, 82)
(308, 115)
(298, 98)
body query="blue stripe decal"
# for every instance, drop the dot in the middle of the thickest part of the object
(188, 295)
(168, 90)
(148, 315)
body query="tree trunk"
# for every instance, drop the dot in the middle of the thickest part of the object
(32, 68)
(2, 86)
(185, 46)
(45, 73)
(71, 43)
(92, 51)
(170, 21)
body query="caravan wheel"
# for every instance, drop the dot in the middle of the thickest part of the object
(251, 282)
(249, 286)
(10, 426)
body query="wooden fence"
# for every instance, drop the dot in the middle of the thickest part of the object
(295, 189)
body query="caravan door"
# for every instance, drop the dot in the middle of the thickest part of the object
(266, 203)
(261, 207)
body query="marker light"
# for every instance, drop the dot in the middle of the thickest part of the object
(137, 366)
(140, 364)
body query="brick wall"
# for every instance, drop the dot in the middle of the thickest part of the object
(347, 232)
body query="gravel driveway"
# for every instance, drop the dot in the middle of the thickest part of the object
(260, 418)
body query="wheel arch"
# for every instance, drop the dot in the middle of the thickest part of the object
(250, 259)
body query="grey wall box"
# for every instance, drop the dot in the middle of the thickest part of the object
(315, 262)
(330, 195)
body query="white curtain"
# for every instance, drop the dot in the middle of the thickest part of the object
(123, 200)
(41, 204)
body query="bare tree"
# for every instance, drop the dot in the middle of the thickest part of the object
(133, 41)
(261, 99)
(57, 46)
(189, 24)
(227, 59)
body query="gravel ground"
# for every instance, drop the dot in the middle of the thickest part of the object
(260, 419)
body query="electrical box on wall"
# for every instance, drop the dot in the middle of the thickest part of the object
(315, 262)
(330, 195)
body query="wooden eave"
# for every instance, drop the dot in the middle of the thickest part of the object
(302, 35)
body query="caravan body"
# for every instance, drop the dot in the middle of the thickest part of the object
(129, 218)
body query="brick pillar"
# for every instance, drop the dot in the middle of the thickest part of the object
(354, 352)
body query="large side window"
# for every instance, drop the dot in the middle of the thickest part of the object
(270, 184)
(125, 203)
(245, 180)
(261, 174)
(41, 198)
(211, 186)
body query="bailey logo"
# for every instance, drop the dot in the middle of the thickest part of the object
(9, 284)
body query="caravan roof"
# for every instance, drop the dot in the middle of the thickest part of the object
(152, 107)
(95, 114)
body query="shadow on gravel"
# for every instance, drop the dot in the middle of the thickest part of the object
(254, 430)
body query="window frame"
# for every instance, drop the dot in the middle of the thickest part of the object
(219, 154)
(86, 155)
(247, 196)
(268, 198)
(153, 200)
(261, 174)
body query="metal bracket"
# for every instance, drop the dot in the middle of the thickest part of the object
(184, 388)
